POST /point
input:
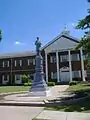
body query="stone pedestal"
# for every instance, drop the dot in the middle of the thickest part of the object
(39, 86)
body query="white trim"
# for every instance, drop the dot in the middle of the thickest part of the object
(3, 64)
(64, 58)
(33, 61)
(59, 36)
(18, 81)
(70, 66)
(46, 63)
(51, 75)
(20, 62)
(28, 61)
(3, 79)
(15, 63)
(82, 64)
(57, 61)
(8, 63)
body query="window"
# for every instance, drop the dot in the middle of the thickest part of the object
(53, 75)
(84, 57)
(64, 58)
(31, 76)
(31, 61)
(8, 63)
(75, 57)
(17, 77)
(3, 64)
(15, 63)
(76, 74)
(20, 62)
(5, 77)
(53, 59)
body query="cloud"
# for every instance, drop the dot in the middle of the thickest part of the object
(18, 43)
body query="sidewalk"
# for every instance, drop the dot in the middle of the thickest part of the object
(57, 115)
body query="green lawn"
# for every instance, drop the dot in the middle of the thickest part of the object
(5, 89)
(79, 106)
(79, 87)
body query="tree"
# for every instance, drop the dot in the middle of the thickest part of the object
(84, 24)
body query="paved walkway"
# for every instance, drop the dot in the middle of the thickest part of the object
(18, 113)
(57, 115)
(55, 92)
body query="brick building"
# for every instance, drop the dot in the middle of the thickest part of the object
(61, 62)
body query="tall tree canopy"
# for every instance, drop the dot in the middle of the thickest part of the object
(84, 24)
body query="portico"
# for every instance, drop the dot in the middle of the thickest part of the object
(67, 72)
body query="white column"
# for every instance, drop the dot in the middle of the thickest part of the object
(46, 67)
(70, 66)
(82, 64)
(57, 62)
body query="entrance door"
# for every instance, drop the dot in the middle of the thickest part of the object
(65, 76)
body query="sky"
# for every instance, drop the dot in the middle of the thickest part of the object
(22, 21)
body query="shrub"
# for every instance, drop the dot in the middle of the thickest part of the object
(73, 83)
(51, 83)
(28, 84)
(25, 79)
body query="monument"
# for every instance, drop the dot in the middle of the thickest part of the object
(39, 86)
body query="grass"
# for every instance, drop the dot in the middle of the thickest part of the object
(5, 89)
(79, 87)
(79, 106)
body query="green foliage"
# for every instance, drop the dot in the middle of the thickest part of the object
(25, 79)
(73, 83)
(51, 83)
(84, 24)
(85, 43)
(28, 84)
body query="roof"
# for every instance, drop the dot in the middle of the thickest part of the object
(59, 36)
(33, 53)
(21, 54)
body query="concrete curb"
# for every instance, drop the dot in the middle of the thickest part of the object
(22, 104)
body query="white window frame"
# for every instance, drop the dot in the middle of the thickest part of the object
(76, 74)
(15, 63)
(53, 59)
(64, 58)
(53, 76)
(33, 61)
(8, 63)
(20, 61)
(76, 56)
(3, 77)
(16, 77)
(30, 61)
(18, 81)
(3, 64)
